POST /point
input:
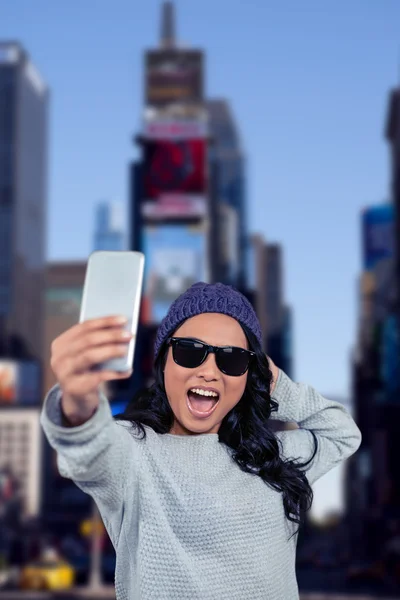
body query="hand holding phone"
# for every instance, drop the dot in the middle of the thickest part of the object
(73, 355)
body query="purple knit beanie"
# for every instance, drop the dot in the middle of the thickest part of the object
(208, 298)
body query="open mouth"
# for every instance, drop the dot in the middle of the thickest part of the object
(202, 403)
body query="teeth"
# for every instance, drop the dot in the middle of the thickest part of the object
(204, 392)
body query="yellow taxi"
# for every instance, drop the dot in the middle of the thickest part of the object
(50, 572)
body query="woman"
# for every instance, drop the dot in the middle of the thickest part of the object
(201, 499)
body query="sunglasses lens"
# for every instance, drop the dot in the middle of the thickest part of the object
(188, 353)
(233, 361)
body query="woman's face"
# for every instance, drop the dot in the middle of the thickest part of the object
(217, 330)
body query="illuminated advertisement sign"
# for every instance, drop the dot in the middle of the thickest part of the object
(173, 76)
(19, 382)
(176, 206)
(176, 257)
(174, 179)
(174, 166)
(174, 130)
(378, 238)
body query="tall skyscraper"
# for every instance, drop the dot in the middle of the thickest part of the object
(226, 152)
(109, 227)
(169, 183)
(278, 319)
(393, 137)
(23, 202)
(287, 342)
(274, 289)
(258, 281)
(265, 283)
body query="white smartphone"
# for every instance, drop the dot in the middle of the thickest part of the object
(113, 286)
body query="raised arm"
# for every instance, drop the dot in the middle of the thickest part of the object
(337, 433)
(100, 456)
(93, 450)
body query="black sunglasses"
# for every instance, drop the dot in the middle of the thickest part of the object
(191, 353)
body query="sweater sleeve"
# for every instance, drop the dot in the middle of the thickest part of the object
(337, 433)
(100, 456)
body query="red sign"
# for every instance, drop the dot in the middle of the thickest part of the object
(174, 166)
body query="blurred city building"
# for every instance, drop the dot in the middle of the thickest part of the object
(109, 231)
(265, 290)
(256, 282)
(21, 458)
(287, 343)
(63, 504)
(228, 156)
(393, 138)
(188, 207)
(174, 217)
(23, 203)
(279, 343)
(265, 276)
(23, 207)
(63, 296)
(21, 482)
(373, 476)
(274, 298)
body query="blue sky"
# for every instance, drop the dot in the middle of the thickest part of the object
(308, 83)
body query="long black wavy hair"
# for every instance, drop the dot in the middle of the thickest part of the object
(244, 429)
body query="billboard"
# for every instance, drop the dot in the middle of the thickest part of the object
(176, 257)
(378, 234)
(174, 179)
(173, 76)
(20, 383)
(174, 166)
(390, 353)
(172, 129)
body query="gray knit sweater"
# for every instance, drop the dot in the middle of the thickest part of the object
(185, 521)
